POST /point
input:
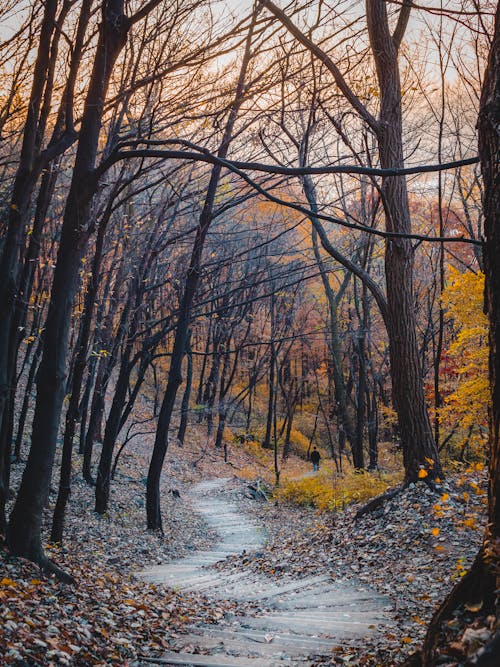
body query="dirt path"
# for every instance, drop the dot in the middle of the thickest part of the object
(299, 619)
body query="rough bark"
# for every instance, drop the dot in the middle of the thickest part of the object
(489, 152)
(24, 530)
(24, 183)
(415, 429)
(482, 582)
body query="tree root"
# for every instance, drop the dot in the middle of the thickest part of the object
(49, 568)
(378, 501)
(487, 656)
(478, 585)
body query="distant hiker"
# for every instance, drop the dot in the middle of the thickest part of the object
(315, 459)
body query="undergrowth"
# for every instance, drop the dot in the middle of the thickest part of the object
(329, 491)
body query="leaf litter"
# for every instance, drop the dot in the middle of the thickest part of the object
(412, 550)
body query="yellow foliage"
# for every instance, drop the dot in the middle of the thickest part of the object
(466, 404)
(330, 493)
(389, 416)
(299, 443)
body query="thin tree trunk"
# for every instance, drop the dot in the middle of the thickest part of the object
(24, 183)
(175, 371)
(72, 413)
(181, 433)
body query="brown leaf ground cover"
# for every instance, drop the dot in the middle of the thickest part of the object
(412, 550)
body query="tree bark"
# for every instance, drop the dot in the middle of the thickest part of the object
(417, 440)
(153, 509)
(181, 433)
(24, 183)
(489, 153)
(24, 530)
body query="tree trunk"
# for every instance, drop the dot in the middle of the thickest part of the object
(175, 371)
(72, 414)
(271, 384)
(482, 582)
(333, 341)
(371, 402)
(187, 393)
(103, 480)
(24, 183)
(24, 530)
(489, 153)
(406, 374)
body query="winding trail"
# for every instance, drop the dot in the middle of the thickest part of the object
(304, 618)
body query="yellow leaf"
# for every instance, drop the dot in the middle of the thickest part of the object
(435, 532)
(445, 497)
(407, 640)
(418, 620)
(439, 547)
(8, 582)
(422, 473)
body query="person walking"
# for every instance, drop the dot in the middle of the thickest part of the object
(315, 459)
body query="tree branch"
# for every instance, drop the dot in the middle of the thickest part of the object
(404, 15)
(348, 93)
(237, 168)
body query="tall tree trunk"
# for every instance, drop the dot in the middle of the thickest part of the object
(482, 581)
(110, 341)
(415, 428)
(24, 183)
(211, 386)
(271, 382)
(72, 413)
(84, 405)
(24, 530)
(222, 406)
(175, 371)
(489, 153)
(199, 393)
(333, 341)
(371, 401)
(27, 399)
(102, 488)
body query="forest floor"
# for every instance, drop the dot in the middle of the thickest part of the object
(411, 551)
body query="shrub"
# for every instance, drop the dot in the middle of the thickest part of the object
(329, 492)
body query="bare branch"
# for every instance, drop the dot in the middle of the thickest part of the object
(346, 90)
